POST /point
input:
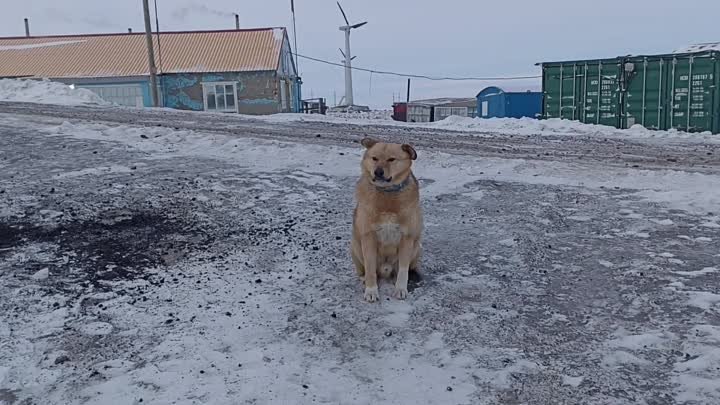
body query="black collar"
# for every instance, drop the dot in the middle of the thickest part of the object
(396, 188)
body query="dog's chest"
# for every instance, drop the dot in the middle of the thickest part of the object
(388, 230)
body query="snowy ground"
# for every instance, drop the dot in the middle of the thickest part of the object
(174, 258)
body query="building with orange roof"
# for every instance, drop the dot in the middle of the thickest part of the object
(248, 71)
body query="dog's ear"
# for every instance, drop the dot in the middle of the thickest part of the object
(368, 142)
(410, 151)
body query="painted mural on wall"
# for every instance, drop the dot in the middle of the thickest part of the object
(257, 92)
(175, 90)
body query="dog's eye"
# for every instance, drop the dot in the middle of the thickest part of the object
(391, 160)
(374, 158)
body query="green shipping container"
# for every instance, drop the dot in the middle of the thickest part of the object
(680, 91)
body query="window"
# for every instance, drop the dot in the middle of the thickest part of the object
(121, 94)
(220, 96)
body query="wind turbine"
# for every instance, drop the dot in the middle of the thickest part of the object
(349, 102)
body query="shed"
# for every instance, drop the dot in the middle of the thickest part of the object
(679, 91)
(399, 111)
(249, 71)
(438, 109)
(494, 102)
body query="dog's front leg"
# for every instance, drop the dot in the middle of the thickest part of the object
(405, 256)
(370, 252)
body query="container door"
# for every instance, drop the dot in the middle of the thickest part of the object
(601, 90)
(551, 91)
(585, 102)
(693, 93)
(716, 109)
(609, 101)
(562, 91)
(644, 97)
(568, 92)
(679, 90)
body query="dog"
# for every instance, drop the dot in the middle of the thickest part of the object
(387, 221)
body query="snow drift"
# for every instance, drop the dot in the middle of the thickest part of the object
(505, 126)
(46, 92)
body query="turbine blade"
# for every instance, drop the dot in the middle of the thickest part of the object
(343, 13)
(358, 25)
(341, 51)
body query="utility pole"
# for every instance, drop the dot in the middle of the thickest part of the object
(151, 55)
(297, 62)
(408, 92)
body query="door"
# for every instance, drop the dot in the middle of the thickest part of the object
(283, 96)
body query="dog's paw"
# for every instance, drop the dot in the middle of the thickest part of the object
(400, 293)
(371, 294)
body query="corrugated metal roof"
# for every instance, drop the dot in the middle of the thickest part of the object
(123, 55)
(452, 101)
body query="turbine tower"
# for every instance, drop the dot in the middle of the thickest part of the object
(349, 102)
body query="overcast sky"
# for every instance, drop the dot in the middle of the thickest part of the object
(431, 37)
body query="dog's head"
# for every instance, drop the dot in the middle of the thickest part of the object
(386, 164)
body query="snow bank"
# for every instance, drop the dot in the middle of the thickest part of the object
(46, 92)
(375, 115)
(504, 126)
(556, 126)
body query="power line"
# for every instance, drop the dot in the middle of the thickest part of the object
(380, 72)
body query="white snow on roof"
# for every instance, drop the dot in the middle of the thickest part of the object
(45, 92)
(278, 34)
(708, 46)
(440, 101)
(38, 45)
(522, 89)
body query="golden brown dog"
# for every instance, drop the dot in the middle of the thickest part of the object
(387, 222)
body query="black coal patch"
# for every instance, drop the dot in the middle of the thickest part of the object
(9, 238)
(109, 247)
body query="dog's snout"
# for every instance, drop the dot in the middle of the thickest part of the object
(379, 172)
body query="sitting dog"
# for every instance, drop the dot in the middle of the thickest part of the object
(387, 221)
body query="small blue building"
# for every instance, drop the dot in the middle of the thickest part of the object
(494, 102)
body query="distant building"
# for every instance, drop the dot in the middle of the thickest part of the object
(399, 111)
(494, 102)
(248, 71)
(438, 109)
